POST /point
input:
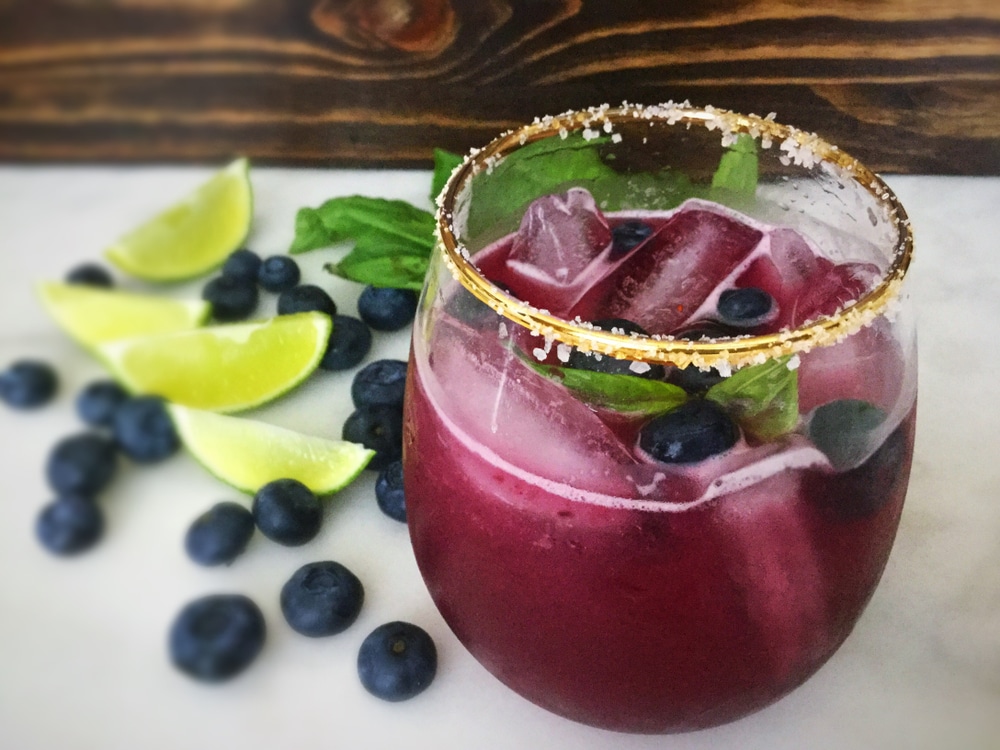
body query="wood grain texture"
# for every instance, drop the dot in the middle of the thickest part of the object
(905, 85)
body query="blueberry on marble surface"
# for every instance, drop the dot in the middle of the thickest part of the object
(216, 637)
(231, 298)
(389, 491)
(98, 401)
(81, 464)
(28, 384)
(350, 341)
(90, 274)
(278, 273)
(306, 298)
(387, 309)
(242, 264)
(397, 661)
(379, 428)
(219, 535)
(144, 431)
(287, 512)
(322, 598)
(69, 525)
(694, 431)
(379, 383)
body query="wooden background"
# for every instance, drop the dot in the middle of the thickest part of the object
(906, 85)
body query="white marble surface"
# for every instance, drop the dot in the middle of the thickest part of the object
(82, 642)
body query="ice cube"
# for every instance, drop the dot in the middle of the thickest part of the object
(528, 420)
(669, 276)
(559, 237)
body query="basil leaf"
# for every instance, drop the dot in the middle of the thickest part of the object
(310, 233)
(445, 163)
(397, 266)
(622, 393)
(763, 398)
(736, 175)
(540, 168)
(359, 218)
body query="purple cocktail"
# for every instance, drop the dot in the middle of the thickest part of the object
(652, 485)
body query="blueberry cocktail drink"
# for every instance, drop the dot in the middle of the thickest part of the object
(660, 410)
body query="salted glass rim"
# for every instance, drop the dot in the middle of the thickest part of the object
(800, 147)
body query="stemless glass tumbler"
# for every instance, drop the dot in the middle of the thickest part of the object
(660, 410)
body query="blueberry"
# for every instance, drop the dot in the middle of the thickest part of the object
(231, 298)
(69, 524)
(690, 378)
(397, 661)
(81, 464)
(28, 384)
(387, 309)
(843, 430)
(144, 431)
(278, 273)
(694, 380)
(612, 365)
(220, 534)
(380, 383)
(864, 490)
(216, 637)
(97, 403)
(287, 512)
(748, 307)
(389, 491)
(465, 306)
(379, 428)
(306, 298)
(350, 342)
(627, 236)
(90, 274)
(322, 598)
(692, 432)
(242, 264)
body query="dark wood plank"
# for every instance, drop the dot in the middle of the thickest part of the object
(906, 85)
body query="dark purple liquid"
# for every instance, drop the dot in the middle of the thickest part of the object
(620, 592)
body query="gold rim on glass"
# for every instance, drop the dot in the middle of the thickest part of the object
(725, 354)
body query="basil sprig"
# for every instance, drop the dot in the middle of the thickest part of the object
(763, 399)
(622, 393)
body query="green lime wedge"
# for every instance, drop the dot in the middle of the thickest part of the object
(93, 316)
(194, 235)
(223, 367)
(248, 454)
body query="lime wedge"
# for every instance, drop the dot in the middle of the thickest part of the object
(94, 316)
(223, 367)
(194, 235)
(248, 454)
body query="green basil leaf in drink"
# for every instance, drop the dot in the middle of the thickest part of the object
(360, 218)
(736, 176)
(445, 163)
(763, 398)
(658, 191)
(541, 168)
(622, 393)
(379, 264)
